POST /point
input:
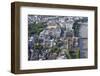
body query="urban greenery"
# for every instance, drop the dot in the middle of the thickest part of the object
(54, 37)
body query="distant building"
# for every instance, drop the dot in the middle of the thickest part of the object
(83, 33)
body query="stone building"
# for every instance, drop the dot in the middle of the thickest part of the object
(83, 40)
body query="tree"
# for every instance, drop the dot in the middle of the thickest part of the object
(55, 49)
(35, 28)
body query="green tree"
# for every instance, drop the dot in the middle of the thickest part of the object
(78, 53)
(55, 49)
(67, 53)
(35, 28)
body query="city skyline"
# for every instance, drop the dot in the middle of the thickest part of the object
(57, 37)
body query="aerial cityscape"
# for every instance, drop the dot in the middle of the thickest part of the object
(57, 37)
